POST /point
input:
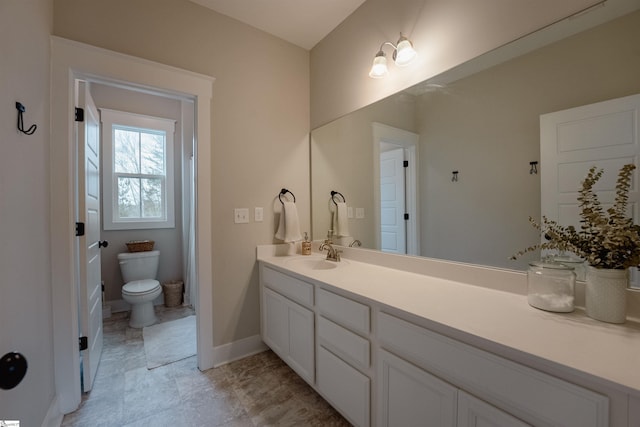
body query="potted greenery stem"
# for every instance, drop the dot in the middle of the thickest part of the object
(608, 241)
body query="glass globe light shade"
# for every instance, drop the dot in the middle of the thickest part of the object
(379, 67)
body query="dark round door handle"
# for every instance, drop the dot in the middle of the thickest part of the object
(103, 244)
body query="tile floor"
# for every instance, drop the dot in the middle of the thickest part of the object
(259, 390)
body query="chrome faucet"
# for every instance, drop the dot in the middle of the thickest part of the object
(333, 254)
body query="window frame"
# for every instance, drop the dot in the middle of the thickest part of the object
(110, 218)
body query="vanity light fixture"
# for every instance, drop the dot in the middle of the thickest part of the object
(403, 54)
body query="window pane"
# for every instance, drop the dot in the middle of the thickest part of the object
(152, 146)
(126, 151)
(129, 197)
(152, 198)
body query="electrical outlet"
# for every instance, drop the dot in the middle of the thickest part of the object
(359, 213)
(349, 212)
(241, 215)
(258, 214)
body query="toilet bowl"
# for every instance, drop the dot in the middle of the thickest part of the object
(139, 271)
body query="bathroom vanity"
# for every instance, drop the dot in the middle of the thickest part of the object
(401, 341)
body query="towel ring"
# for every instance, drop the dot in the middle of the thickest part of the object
(333, 195)
(285, 191)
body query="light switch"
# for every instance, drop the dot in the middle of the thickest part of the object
(258, 214)
(349, 212)
(359, 213)
(241, 215)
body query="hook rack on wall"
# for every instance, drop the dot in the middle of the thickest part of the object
(454, 177)
(21, 109)
(333, 195)
(534, 168)
(283, 192)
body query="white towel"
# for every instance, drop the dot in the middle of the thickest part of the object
(341, 227)
(289, 227)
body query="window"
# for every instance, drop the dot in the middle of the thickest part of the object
(137, 181)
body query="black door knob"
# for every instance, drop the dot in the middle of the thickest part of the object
(13, 368)
(103, 244)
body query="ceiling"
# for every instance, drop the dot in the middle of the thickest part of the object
(301, 22)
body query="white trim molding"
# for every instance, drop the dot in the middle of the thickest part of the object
(71, 61)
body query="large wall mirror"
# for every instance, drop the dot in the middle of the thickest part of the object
(471, 135)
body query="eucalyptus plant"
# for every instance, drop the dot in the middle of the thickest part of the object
(607, 239)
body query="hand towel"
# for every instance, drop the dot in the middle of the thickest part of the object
(289, 227)
(341, 227)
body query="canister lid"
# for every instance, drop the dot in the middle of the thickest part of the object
(551, 265)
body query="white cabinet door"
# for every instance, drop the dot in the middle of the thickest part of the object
(473, 412)
(301, 341)
(344, 387)
(275, 329)
(288, 329)
(409, 396)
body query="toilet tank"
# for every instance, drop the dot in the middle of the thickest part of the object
(139, 265)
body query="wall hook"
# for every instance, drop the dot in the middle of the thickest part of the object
(21, 109)
(534, 168)
(454, 178)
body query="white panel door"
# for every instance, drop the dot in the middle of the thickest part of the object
(392, 202)
(605, 135)
(90, 285)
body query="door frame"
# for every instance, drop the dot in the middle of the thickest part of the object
(409, 141)
(72, 60)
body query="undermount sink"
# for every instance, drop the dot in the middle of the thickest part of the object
(315, 263)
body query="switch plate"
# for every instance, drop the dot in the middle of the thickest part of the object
(359, 213)
(258, 214)
(349, 212)
(241, 215)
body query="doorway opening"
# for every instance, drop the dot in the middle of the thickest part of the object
(150, 173)
(72, 61)
(395, 175)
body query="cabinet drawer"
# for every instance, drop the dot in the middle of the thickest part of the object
(344, 387)
(344, 343)
(344, 311)
(288, 286)
(530, 395)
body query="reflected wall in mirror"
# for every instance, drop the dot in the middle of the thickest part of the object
(485, 126)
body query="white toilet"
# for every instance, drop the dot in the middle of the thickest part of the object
(139, 271)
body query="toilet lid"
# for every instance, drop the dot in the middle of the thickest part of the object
(140, 286)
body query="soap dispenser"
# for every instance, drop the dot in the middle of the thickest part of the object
(306, 245)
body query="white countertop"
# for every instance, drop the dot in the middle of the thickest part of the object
(600, 350)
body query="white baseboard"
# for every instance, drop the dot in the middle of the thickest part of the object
(226, 353)
(53, 418)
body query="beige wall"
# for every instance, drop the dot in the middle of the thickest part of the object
(445, 34)
(25, 285)
(260, 124)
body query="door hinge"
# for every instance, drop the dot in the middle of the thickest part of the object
(79, 114)
(406, 217)
(83, 342)
(405, 163)
(79, 229)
